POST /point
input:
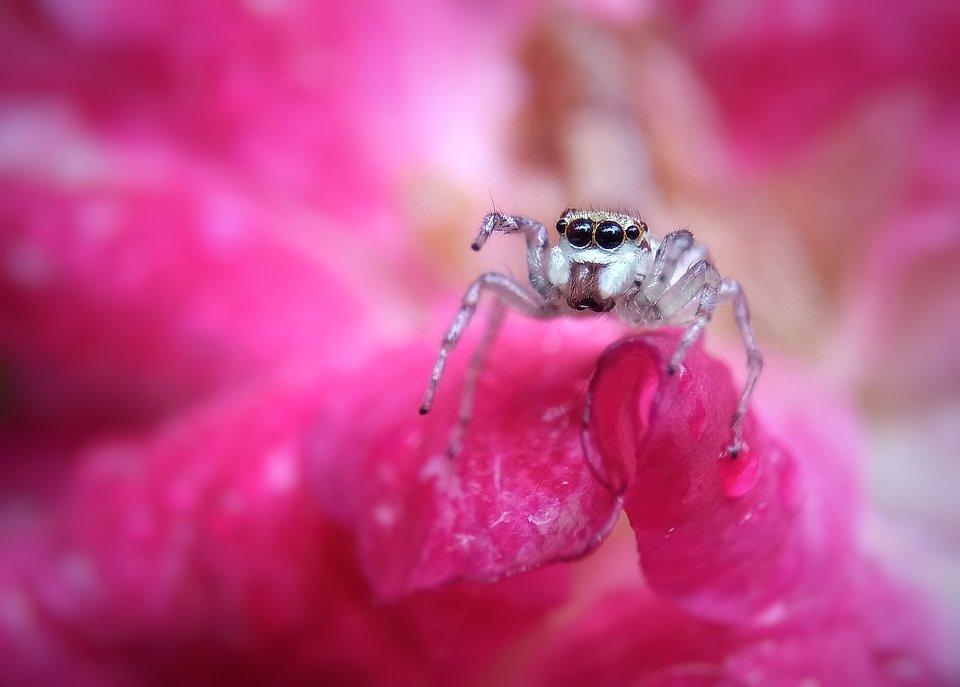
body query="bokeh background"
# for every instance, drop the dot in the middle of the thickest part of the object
(197, 195)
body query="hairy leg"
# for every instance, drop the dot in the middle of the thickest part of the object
(730, 290)
(672, 248)
(669, 307)
(700, 282)
(477, 362)
(509, 292)
(538, 245)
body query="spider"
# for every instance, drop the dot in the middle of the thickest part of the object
(604, 261)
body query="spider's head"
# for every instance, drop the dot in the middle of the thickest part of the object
(597, 258)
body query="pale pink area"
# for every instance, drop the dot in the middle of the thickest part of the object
(749, 540)
(784, 72)
(518, 496)
(199, 554)
(255, 91)
(904, 323)
(329, 103)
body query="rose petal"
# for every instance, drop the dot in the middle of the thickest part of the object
(902, 324)
(632, 638)
(747, 540)
(126, 299)
(518, 496)
(782, 74)
(199, 555)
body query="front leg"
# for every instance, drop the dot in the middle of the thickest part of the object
(700, 282)
(509, 293)
(673, 246)
(703, 283)
(537, 246)
(474, 368)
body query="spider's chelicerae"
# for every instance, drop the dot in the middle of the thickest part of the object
(604, 261)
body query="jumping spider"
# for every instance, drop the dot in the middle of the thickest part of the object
(605, 261)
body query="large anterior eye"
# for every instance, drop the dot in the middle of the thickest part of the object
(609, 235)
(580, 232)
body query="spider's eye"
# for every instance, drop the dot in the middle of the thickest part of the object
(633, 232)
(609, 235)
(561, 226)
(580, 232)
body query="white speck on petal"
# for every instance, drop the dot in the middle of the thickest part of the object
(384, 515)
(546, 514)
(553, 412)
(280, 471)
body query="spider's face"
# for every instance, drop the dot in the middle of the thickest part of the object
(598, 257)
(606, 231)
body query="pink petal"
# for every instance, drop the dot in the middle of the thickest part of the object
(745, 540)
(632, 638)
(124, 299)
(519, 495)
(784, 72)
(325, 103)
(199, 555)
(903, 319)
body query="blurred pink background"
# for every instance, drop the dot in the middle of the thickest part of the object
(198, 198)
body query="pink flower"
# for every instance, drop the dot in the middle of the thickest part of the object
(198, 554)
(632, 637)
(742, 541)
(784, 72)
(518, 496)
(214, 341)
(125, 299)
(207, 540)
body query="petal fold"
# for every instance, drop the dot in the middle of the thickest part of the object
(518, 496)
(750, 539)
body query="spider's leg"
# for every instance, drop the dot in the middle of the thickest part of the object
(701, 282)
(538, 245)
(673, 246)
(730, 290)
(511, 294)
(477, 361)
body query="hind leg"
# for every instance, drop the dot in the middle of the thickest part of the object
(474, 369)
(730, 290)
